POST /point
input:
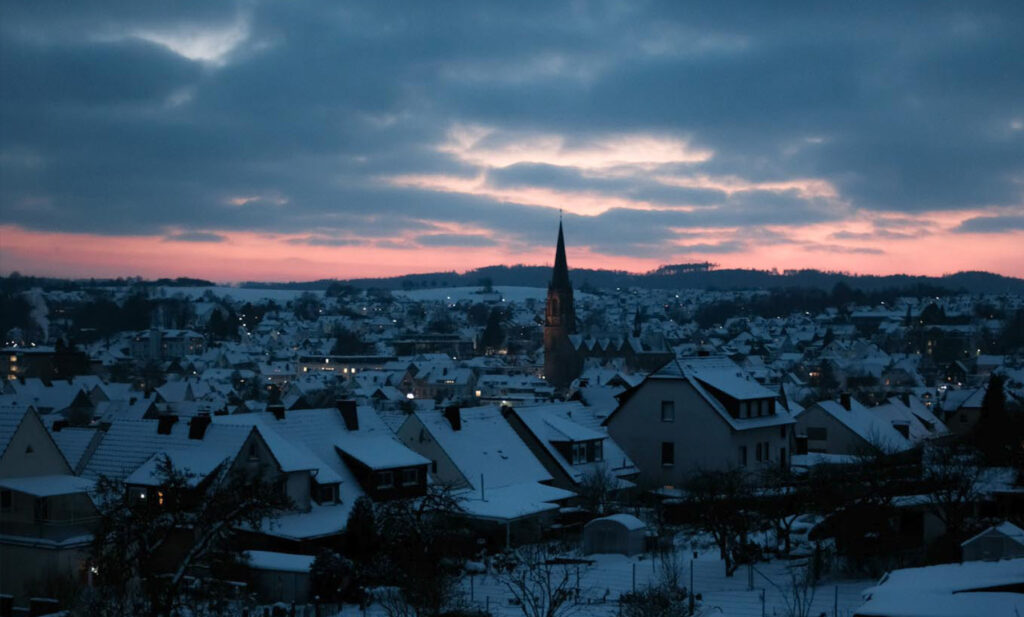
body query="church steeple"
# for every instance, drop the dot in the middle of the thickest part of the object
(562, 364)
(560, 273)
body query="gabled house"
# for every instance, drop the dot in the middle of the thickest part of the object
(699, 413)
(847, 427)
(493, 473)
(45, 511)
(568, 439)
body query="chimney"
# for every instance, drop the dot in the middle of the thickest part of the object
(453, 414)
(198, 425)
(703, 353)
(59, 424)
(349, 414)
(164, 424)
(844, 400)
(277, 409)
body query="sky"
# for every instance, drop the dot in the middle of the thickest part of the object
(295, 140)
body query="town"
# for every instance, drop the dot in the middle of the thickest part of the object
(176, 447)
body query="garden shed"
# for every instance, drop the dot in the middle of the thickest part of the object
(619, 533)
(1005, 541)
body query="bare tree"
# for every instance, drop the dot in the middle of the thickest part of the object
(146, 549)
(799, 596)
(953, 478)
(541, 588)
(596, 487)
(721, 501)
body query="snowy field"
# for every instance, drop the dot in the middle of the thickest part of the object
(239, 294)
(455, 294)
(612, 575)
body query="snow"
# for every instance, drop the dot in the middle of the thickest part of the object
(240, 294)
(279, 562)
(456, 294)
(380, 452)
(48, 486)
(508, 503)
(628, 521)
(485, 446)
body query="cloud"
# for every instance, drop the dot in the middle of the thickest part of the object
(991, 224)
(456, 240)
(194, 236)
(370, 124)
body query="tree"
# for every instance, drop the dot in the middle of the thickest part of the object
(347, 343)
(953, 478)
(993, 434)
(540, 587)
(147, 543)
(420, 554)
(330, 576)
(786, 497)
(494, 333)
(721, 502)
(595, 488)
(362, 537)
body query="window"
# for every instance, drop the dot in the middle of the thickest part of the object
(385, 479)
(668, 411)
(598, 450)
(5, 500)
(410, 476)
(579, 453)
(433, 466)
(767, 450)
(668, 453)
(757, 455)
(817, 433)
(743, 409)
(743, 456)
(782, 431)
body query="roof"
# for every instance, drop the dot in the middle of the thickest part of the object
(128, 444)
(549, 423)
(48, 486)
(628, 521)
(381, 452)
(486, 446)
(512, 502)
(871, 427)
(10, 420)
(278, 562)
(73, 442)
(1005, 528)
(724, 375)
(935, 591)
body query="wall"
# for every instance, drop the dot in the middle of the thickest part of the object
(45, 459)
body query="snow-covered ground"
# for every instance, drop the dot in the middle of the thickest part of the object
(455, 294)
(239, 294)
(612, 575)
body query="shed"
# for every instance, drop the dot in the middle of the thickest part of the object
(619, 533)
(280, 577)
(1004, 541)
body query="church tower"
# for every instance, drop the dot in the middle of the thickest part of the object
(561, 364)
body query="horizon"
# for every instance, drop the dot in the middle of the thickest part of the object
(254, 141)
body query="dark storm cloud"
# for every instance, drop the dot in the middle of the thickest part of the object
(991, 224)
(295, 128)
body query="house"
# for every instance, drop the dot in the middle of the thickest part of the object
(495, 476)
(698, 413)
(847, 428)
(156, 345)
(45, 511)
(568, 439)
(1003, 541)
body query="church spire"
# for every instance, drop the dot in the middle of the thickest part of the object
(560, 274)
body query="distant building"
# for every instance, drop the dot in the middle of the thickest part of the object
(156, 345)
(566, 351)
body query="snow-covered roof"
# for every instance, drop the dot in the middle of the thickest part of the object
(628, 521)
(871, 427)
(485, 446)
(1006, 528)
(73, 442)
(278, 562)
(936, 591)
(48, 486)
(128, 444)
(381, 452)
(511, 502)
